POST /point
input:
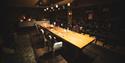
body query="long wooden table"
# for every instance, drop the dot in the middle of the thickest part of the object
(72, 37)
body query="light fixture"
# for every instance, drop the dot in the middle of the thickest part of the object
(54, 23)
(57, 6)
(70, 13)
(61, 24)
(21, 20)
(47, 8)
(44, 9)
(51, 7)
(68, 4)
(24, 17)
(29, 19)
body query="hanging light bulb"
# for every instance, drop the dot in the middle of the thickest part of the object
(57, 6)
(70, 13)
(21, 20)
(47, 8)
(51, 7)
(44, 9)
(68, 4)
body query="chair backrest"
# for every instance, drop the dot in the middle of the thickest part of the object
(57, 45)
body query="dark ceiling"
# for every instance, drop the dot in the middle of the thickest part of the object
(32, 3)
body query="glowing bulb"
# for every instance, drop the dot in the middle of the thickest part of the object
(47, 8)
(51, 7)
(54, 23)
(44, 9)
(68, 4)
(61, 24)
(70, 13)
(29, 19)
(57, 6)
(21, 20)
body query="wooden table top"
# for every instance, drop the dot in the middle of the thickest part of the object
(72, 37)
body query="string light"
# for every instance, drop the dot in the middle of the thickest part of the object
(29, 19)
(51, 7)
(21, 20)
(44, 9)
(68, 4)
(47, 8)
(57, 6)
(70, 13)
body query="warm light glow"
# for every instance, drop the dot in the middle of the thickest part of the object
(51, 7)
(29, 19)
(71, 37)
(61, 24)
(44, 9)
(65, 30)
(68, 4)
(54, 23)
(21, 20)
(47, 8)
(90, 16)
(51, 26)
(57, 6)
(24, 17)
(69, 13)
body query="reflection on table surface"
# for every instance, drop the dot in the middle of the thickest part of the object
(72, 37)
